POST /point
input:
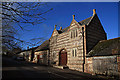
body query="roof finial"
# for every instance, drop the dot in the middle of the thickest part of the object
(55, 26)
(73, 16)
(94, 11)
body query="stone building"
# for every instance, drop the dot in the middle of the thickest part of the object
(41, 53)
(28, 54)
(69, 46)
(106, 53)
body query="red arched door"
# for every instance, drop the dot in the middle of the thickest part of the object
(63, 57)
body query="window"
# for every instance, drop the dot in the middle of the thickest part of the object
(74, 34)
(74, 52)
(71, 34)
(41, 56)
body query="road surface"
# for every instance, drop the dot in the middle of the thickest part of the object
(12, 69)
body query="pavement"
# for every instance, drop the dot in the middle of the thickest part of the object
(21, 70)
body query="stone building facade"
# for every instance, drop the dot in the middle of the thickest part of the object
(28, 54)
(41, 54)
(69, 46)
(106, 53)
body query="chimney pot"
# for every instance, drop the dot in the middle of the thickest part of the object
(94, 11)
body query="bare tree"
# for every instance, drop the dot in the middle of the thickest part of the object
(15, 15)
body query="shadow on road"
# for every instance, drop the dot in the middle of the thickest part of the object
(22, 70)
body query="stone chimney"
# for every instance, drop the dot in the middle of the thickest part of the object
(94, 11)
(60, 28)
(73, 16)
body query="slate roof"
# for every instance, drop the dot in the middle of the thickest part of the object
(83, 22)
(59, 31)
(28, 49)
(65, 29)
(43, 46)
(106, 47)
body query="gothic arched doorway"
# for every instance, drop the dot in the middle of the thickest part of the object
(63, 57)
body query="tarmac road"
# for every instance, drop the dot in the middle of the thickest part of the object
(12, 69)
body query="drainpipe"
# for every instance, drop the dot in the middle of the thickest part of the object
(83, 48)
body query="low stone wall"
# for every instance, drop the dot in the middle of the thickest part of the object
(105, 65)
(118, 62)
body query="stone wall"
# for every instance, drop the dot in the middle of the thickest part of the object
(89, 65)
(35, 57)
(104, 65)
(43, 57)
(118, 62)
(28, 55)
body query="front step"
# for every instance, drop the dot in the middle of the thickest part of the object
(61, 67)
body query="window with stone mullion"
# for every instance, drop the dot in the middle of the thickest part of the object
(73, 52)
(76, 32)
(73, 33)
